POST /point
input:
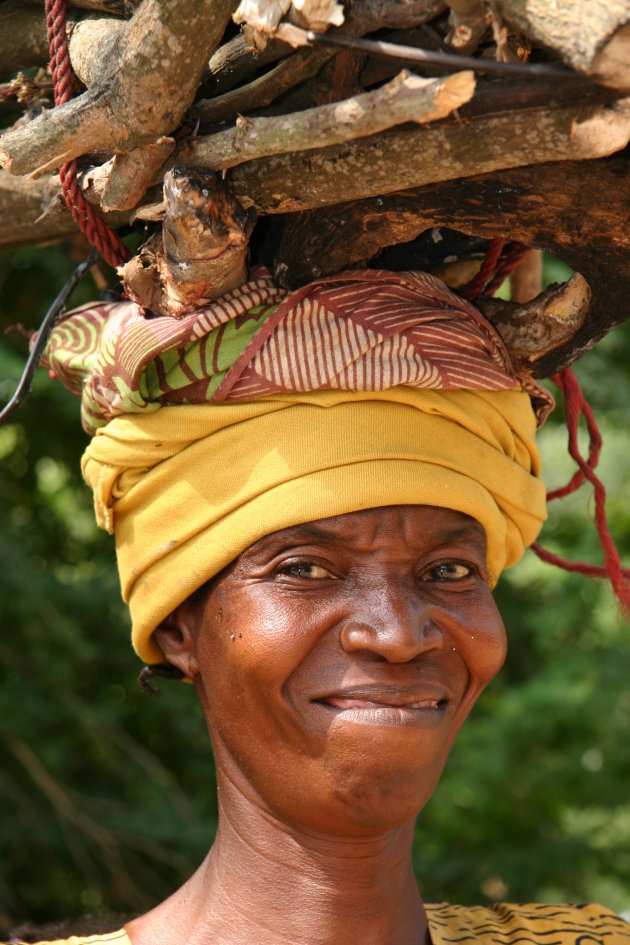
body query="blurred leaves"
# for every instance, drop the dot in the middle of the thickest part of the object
(108, 797)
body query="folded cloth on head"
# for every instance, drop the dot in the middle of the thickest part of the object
(187, 489)
(359, 330)
(260, 412)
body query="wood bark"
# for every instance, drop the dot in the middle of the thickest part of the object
(365, 16)
(389, 161)
(147, 84)
(237, 61)
(133, 172)
(538, 328)
(407, 98)
(592, 36)
(23, 41)
(565, 208)
(91, 42)
(34, 211)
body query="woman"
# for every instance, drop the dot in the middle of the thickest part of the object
(312, 499)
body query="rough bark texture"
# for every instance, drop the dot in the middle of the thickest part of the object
(484, 171)
(132, 173)
(538, 328)
(565, 208)
(201, 252)
(34, 211)
(389, 161)
(147, 84)
(592, 37)
(23, 40)
(91, 42)
(407, 98)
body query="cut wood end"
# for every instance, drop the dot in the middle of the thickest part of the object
(6, 160)
(604, 132)
(569, 302)
(611, 65)
(532, 331)
(293, 35)
(455, 90)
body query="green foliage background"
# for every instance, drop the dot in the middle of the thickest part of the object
(107, 797)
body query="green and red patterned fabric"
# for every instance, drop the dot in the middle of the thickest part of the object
(361, 330)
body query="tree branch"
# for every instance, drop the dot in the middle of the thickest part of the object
(407, 98)
(389, 162)
(23, 39)
(365, 16)
(146, 85)
(592, 36)
(564, 208)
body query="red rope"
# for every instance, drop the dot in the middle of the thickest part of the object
(488, 267)
(577, 406)
(513, 256)
(100, 235)
(496, 267)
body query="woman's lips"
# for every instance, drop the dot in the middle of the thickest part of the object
(346, 702)
(416, 711)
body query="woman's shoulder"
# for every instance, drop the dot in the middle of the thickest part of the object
(109, 938)
(540, 924)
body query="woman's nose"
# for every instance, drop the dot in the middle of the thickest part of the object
(393, 623)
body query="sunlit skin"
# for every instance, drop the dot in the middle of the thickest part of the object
(335, 662)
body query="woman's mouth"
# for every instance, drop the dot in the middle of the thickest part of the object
(346, 702)
(418, 711)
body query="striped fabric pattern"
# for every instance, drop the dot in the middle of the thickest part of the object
(531, 924)
(501, 924)
(361, 330)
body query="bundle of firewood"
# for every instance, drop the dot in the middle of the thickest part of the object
(402, 133)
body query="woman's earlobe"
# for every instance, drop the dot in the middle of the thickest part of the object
(176, 641)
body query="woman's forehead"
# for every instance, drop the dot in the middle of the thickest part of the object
(412, 524)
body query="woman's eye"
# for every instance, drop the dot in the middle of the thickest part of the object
(305, 570)
(448, 571)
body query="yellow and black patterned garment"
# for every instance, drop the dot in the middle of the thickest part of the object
(502, 924)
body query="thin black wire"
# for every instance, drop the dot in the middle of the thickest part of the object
(434, 58)
(53, 315)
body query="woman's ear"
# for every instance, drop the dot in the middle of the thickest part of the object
(176, 639)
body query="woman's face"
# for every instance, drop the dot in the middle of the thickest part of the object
(336, 661)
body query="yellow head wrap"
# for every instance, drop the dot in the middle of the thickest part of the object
(188, 488)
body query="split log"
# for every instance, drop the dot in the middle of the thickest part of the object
(147, 83)
(407, 98)
(592, 36)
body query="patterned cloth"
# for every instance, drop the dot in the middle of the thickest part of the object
(502, 924)
(363, 330)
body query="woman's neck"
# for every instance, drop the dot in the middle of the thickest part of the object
(270, 884)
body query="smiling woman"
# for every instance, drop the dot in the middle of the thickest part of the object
(311, 539)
